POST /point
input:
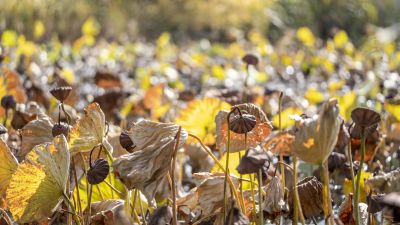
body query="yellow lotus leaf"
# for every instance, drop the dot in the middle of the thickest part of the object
(285, 114)
(38, 29)
(89, 130)
(393, 109)
(347, 185)
(9, 38)
(153, 100)
(347, 102)
(38, 184)
(198, 118)
(305, 35)
(90, 27)
(258, 134)
(36, 132)
(7, 167)
(340, 39)
(314, 96)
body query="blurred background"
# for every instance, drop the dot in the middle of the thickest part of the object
(220, 20)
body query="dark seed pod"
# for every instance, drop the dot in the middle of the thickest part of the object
(242, 124)
(8, 102)
(98, 171)
(311, 198)
(3, 130)
(61, 93)
(126, 142)
(61, 128)
(250, 59)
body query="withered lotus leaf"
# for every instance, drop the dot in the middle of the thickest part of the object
(36, 132)
(366, 120)
(386, 183)
(258, 134)
(209, 194)
(89, 131)
(161, 216)
(310, 195)
(108, 212)
(280, 143)
(148, 165)
(274, 202)
(315, 138)
(253, 160)
(236, 217)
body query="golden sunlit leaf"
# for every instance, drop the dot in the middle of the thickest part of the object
(393, 109)
(9, 38)
(11, 84)
(305, 35)
(38, 184)
(198, 118)
(340, 39)
(8, 166)
(347, 185)
(314, 96)
(90, 27)
(38, 29)
(89, 130)
(285, 117)
(347, 103)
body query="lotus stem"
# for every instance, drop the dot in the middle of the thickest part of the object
(172, 172)
(327, 195)
(260, 199)
(221, 167)
(71, 205)
(226, 172)
(141, 209)
(253, 196)
(350, 157)
(297, 209)
(89, 204)
(77, 187)
(280, 129)
(135, 194)
(357, 184)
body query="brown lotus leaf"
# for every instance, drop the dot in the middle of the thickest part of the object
(36, 132)
(346, 210)
(161, 216)
(209, 194)
(336, 161)
(274, 203)
(20, 119)
(106, 80)
(280, 143)
(250, 59)
(374, 203)
(108, 212)
(366, 119)
(232, 96)
(149, 164)
(391, 212)
(371, 144)
(110, 102)
(253, 160)
(316, 137)
(310, 196)
(259, 133)
(11, 82)
(343, 139)
(386, 183)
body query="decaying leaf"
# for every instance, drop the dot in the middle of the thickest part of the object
(385, 183)
(258, 134)
(89, 131)
(279, 143)
(108, 212)
(106, 79)
(253, 160)
(209, 194)
(36, 132)
(147, 167)
(310, 195)
(315, 138)
(38, 184)
(236, 217)
(274, 203)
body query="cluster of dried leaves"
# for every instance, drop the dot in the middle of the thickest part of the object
(171, 151)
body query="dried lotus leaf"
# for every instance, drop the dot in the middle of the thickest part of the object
(108, 212)
(389, 182)
(280, 143)
(257, 135)
(146, 168)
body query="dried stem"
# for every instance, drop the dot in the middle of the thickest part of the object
(172, 172)
(357, 184)
(71, 205)
(327, 195)
(297, 209)
(280, 129)
(260, 199)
